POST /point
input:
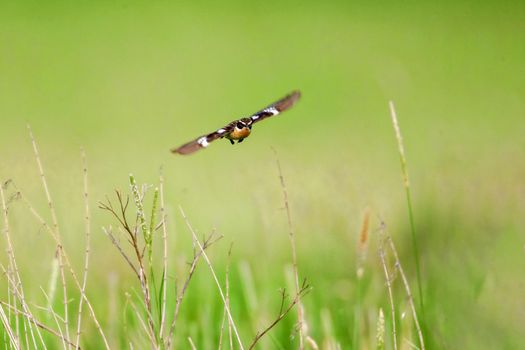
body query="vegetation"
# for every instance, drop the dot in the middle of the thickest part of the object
(318, 244)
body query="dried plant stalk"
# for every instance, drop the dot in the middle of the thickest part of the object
(388, 280)
(87, 231)
(56, 237)
(305, 288)
(291, 234)
(208, 262)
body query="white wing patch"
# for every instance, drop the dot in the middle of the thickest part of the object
(272, 110)
(221, 131)
(203, 142)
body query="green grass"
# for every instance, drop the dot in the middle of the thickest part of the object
(129, 81)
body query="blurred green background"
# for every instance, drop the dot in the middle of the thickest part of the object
(129, 80)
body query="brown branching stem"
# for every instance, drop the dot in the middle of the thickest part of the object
(305, 288)
(38, 323)
(291, 234)
(120, 215)
(214, 275)
(193, 265)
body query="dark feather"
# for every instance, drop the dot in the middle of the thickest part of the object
(277, 107)
(273, 109)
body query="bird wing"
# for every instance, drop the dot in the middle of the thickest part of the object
(204, 140)
(277, 107)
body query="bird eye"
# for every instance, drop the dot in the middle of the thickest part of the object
(240, 125)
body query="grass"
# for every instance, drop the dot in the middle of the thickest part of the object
(127, 83)
(149, 307)
(406, 185)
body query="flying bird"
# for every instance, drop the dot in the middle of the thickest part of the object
(239, 129)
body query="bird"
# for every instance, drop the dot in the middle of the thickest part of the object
(239, 129)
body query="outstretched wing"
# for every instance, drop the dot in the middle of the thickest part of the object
(277, 107)
(273, 109)
(204, 140)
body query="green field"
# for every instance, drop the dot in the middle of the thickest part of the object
(127, 81)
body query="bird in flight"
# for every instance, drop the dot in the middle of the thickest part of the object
(239, 129)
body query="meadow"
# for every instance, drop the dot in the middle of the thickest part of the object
(122, 83)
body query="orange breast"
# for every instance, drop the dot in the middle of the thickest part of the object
(238, 134)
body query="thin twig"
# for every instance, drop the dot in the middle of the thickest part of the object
(17, 286)
(300, 310)
(87, 218)
(18, 296)
(64, 293)
(407, 287)
(12, 337)
(133, 239)
(206, 244)
(164, 257)
(147, 329)
(191, 344)
(313, 344)
(55, 227)
(305, 288)
(390, 294)
(10, 317)
(56, 317)
(113, 240)
(55, 235)
(208, 262)
(37, 323)
(68, 264)
(224, 315)
(380, 331)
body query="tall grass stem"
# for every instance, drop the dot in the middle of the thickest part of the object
(406, 184)
(208, 262)
(291, 235)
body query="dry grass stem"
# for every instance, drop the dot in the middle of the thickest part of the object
(71, 271)
(55, 228)
(191, 344)
(305, 288)
(13, 272)
(312, 343)
(208, 262)
(164, 256)
(180, 297)
(56, 237)
(119, 213)
(291, 235)
(399, 268)
(11, 307)
(56, 318)
(38, 324)
(380, 336)
(64, 294)
(87, 223)
(108, 232)
(224, 315)
(147, 330)
(388, 280)
(13, 338)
